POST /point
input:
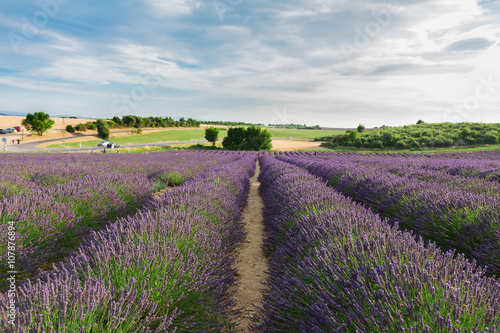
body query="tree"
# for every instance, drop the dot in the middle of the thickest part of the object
(102, 129)
(70, 129)
(211, 135)
(251, 138)
(38, 122)
(420, 122)
(117, 121)
(257, 139)
(361, 128)
(234, 139)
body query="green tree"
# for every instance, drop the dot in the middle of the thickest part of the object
(70, 129)
(420, 122)
(117, 120)
(211, 135)
(257, 139)
(234, 139)
(251, 138)
(361, 128)
(102, 129)
(38, 122)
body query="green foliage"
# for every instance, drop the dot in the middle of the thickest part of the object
(70, 129)
(80, 127)
(39, 122)
(417, 137)
(91, 125)
(361, 128)
(251, 138)
(420, 122)
(211, 135)
(117, 121)
(102, 129)
(139, 122)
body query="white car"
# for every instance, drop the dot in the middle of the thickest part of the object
(103, 143)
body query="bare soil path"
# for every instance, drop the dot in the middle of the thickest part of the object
(251, 262)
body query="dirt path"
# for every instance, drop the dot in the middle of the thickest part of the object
(251, 262)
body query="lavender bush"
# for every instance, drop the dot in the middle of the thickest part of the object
(165, 269)
(462, 215)
(57, 199)
(337, 267)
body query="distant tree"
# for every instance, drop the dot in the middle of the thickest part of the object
(420, 122)
(361, 128)
(38, 122)
(90, 125)
(252, 138)
(80, 127)
(211, 135)
(234, 138)
(117, 121)
(257, 139)
(70, 129)
(102, 129)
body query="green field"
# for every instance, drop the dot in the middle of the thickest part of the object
(194, 135)
(155, 137)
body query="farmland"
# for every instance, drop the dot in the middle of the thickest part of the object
(187, 135)
(381, 242)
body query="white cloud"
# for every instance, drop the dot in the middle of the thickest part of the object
(173, 7)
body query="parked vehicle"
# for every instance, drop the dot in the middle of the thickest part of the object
(19, 128)
(102, 143)
(2, 131)
(113, 145)
(12, 130)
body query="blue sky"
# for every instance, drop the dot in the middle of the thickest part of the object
(329, 62)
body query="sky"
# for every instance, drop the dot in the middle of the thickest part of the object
(335, 63)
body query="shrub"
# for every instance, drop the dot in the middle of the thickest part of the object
(70, 129)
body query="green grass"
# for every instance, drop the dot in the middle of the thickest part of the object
(156, 137)
(301, 133)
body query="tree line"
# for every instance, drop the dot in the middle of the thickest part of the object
(137, 122)
(230, 123)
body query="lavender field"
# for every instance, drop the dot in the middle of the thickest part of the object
(149, 242)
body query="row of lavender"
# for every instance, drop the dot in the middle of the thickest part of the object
(450, 215)
(55, 199)
(166, 269)
(337, 267)
(476, 174)
(479, 155)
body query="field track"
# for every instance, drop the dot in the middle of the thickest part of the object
(251, 261)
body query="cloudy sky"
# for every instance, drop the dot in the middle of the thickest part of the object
(329, 62)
